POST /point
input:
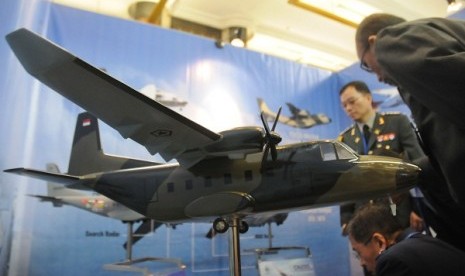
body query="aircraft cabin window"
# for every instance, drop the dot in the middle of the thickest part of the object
(189, 184)
(208, 181)
(227, 178)
(170, 187)
(327, 151)
(248, 175)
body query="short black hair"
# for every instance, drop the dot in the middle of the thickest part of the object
(371, 218)
(360, 86)
(374, 23)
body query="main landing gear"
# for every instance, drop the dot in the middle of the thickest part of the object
(221, 225)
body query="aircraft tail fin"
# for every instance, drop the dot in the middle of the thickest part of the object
(294, 110)
(87, 155)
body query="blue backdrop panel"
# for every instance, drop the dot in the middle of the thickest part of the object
(221, 87)
(14, 115)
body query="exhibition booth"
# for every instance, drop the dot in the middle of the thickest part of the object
(219, 88)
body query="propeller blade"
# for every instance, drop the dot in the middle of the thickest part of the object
(277, 118)
(265, 123)
(274, 152)
(265, 153)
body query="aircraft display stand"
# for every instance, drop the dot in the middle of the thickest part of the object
(130, 264)
(292, 260)
(234, 248)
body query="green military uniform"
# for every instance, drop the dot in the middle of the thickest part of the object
(391, 132)
(392, 135)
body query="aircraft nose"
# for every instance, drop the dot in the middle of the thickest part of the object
(407, 176)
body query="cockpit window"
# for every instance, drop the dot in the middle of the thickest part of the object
(343, 153)
(335, 151)
(327, 152)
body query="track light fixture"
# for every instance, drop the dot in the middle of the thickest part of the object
(238, 36)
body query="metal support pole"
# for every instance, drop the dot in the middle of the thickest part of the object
(234, 248)
(270, 236)
(129, 242)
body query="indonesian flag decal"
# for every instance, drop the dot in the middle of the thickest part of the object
(86, 122)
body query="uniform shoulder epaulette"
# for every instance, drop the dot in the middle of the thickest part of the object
(346, 130)
(392, 113)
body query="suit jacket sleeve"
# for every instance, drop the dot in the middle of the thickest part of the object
(425, 58)
(409, 139)
(392, 266)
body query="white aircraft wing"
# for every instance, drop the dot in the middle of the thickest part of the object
(132, 114)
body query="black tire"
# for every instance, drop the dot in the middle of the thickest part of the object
(220, 225)
(243, 227)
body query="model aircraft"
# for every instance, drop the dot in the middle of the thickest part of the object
(258, 221)
(90, 150)
(162, 97)
(220, 177)
(59, 195)
(387, 98)
(300, 118)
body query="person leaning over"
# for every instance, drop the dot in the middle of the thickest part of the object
(423, 59)
(385, 249)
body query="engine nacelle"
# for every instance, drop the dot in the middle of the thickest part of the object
(237, 142)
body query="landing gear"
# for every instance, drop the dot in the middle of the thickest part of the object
(220, 225)
(243, 227)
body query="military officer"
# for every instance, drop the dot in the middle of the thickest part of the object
(379, 134)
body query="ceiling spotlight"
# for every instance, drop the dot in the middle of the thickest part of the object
(219, 44)
(238, 36)
(454, 6)
(141, 10)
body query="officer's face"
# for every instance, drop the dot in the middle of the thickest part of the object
(357, 105)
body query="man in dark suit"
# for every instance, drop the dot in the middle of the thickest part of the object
(422, 58)
(385, 248)
(379, 134)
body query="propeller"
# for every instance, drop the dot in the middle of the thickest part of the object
(271, 137)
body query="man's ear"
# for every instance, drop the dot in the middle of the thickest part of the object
(371, 40)
(380, 240)
(369, 96)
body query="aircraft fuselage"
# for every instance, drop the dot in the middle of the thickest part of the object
(303, 176)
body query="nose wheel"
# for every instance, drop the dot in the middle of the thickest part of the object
(220, 225)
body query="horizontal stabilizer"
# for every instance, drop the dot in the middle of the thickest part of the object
(64, 179)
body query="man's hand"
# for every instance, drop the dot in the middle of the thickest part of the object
(416, 222)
